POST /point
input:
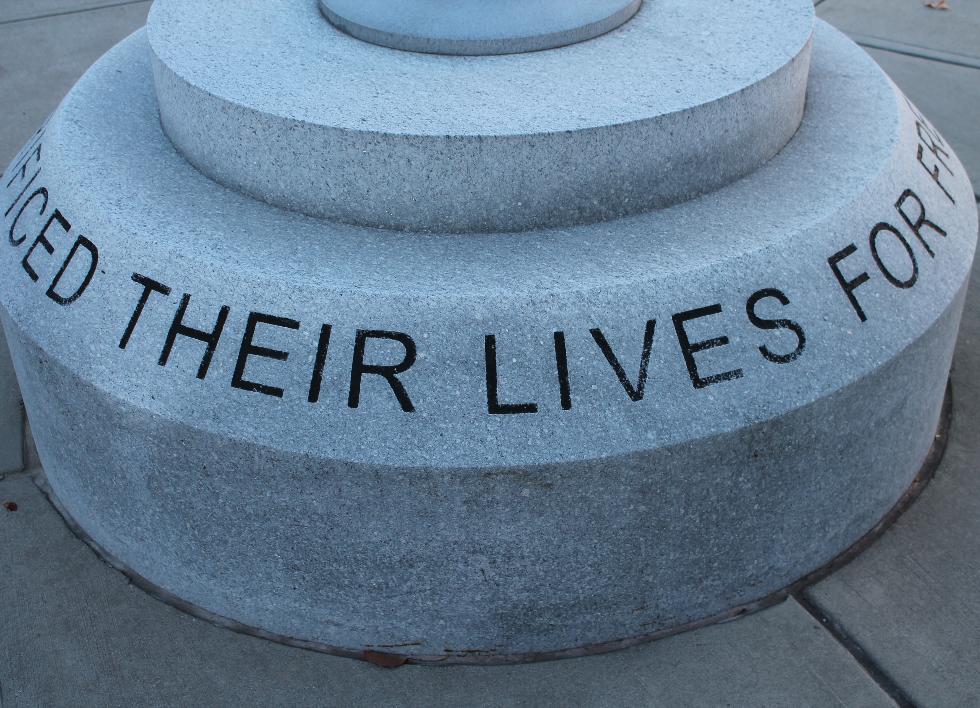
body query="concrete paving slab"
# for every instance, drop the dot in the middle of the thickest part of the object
(20, 10)
(41, 59)
(948, 95)
(910, 601)
(75, 632)
(910, 22)
(11, 415)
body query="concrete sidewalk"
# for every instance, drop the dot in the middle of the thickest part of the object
(898, 626)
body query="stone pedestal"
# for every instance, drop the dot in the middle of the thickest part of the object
(482, 358)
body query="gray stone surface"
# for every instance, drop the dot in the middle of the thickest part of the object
(365, 135)
(910, 600)
(11, 415)
(957, 119)
(111, 653)
(68, 45)
(632, 517)
(476, 27)
(910, 22)
(74, 632)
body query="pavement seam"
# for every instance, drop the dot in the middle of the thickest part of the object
(72, 12)
(836, 630)
(23, 436)
(16, 473)
(913, 50)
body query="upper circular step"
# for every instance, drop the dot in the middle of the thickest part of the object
(272, 100)
(474, 27)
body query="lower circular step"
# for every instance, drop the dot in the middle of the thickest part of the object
(384, 656)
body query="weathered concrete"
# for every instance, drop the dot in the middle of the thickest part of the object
(76, 633)
(16, 11)
(476, 27)
(69, 44)
(365, 135)
(11, 415)
(439, 514)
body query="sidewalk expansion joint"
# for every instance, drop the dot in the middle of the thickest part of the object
(25, 443)
(72, 12)
(858, 652)
(16, 473)
(912, 50)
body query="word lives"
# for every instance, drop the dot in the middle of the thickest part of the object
(397, 373)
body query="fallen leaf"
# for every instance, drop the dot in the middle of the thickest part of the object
(10, 506)
(385, 661)
(941, 5)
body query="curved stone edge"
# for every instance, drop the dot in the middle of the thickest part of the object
(478, 46)
(391, 660)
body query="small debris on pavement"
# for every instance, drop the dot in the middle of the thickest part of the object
(941, 5)
(10, 506)
(384, 660)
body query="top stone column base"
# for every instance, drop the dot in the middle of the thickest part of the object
(477, 27)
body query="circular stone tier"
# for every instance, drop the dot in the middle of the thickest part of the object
(469, 27)
(272, 100)
(479, 447)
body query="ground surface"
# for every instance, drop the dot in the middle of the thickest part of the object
(900, 625)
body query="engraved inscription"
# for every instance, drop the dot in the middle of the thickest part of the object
(54, 255)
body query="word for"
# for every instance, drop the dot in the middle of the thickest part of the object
(901, 275)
